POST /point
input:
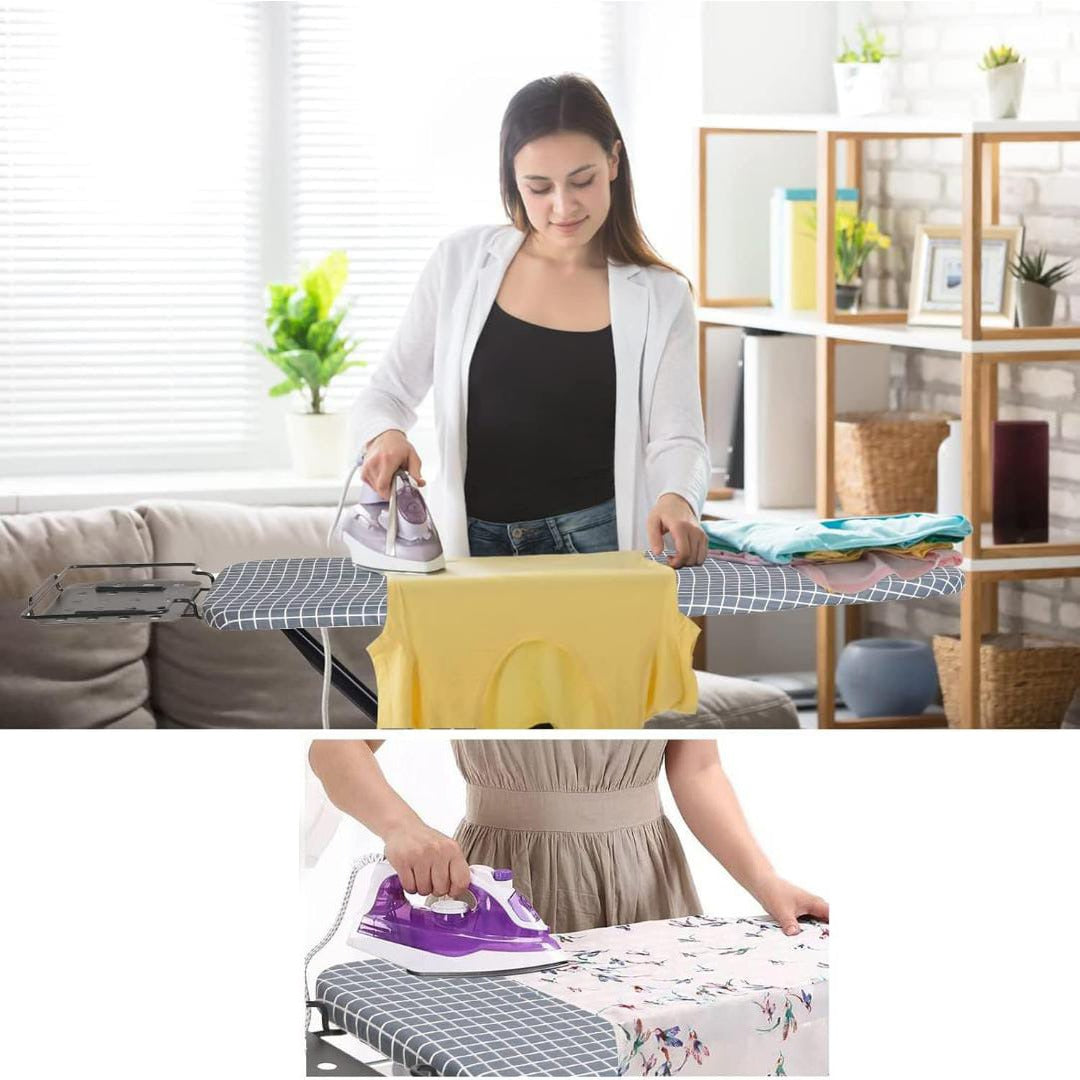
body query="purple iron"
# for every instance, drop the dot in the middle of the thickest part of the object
(492, 931)
(396, 534)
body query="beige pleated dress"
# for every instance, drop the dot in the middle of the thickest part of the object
(581, 826)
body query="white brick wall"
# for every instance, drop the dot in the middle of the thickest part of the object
(912, 183)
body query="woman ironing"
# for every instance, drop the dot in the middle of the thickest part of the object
(578, 822)
(562, 352)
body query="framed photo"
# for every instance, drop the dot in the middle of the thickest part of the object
(934, 298)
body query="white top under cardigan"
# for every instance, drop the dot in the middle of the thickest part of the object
(659, 433)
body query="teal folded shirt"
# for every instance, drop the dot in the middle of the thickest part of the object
(782, 541)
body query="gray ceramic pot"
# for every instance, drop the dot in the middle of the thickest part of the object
(887, 677)
(1035, 304)
(847, 297)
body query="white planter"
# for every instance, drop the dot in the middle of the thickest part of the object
(1005, 86)
(862, 89)
(319, 443)
(950, 472)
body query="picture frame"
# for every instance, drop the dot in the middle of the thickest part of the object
(934, 296)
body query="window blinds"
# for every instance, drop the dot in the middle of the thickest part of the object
(129, 203)
(158, 163)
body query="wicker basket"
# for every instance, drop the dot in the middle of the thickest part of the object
(1024, 681)
(886, 462)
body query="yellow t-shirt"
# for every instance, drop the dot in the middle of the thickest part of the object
(584, 641)
(915, 551)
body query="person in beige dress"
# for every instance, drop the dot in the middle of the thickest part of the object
(579, 822)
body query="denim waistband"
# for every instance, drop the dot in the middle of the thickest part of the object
(573, 519)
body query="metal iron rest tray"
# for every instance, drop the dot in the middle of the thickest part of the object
(296, 596)
(133, 600)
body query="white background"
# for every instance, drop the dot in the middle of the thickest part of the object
(151, 918)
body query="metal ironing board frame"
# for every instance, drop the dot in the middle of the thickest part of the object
(58, 600)
(298, 595)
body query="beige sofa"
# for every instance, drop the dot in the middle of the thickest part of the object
(182, 673)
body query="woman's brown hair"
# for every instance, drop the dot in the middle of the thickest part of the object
(574, 103)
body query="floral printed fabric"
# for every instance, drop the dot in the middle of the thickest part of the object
(702, 996)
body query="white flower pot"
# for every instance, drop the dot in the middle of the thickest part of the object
(319, 443)
(862, 89)
(1005, 86)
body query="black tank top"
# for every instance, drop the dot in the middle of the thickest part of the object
(541, 420)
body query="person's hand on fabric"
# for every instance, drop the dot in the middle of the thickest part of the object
(786, 902)
(673, 514)
(384, 455)
(427, 861)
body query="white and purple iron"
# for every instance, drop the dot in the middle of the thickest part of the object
(492, 931)
(390, 534)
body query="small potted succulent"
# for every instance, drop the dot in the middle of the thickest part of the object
(1004, 69)
(863, 75)
(856, 239)
(1035, 287)
(309, 350)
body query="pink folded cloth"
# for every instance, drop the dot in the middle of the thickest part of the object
(741, 557)
(862, 573)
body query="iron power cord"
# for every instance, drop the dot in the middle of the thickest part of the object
(328, 660)
(358, 865)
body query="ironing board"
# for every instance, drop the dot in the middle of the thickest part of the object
(298, 595)
(696, 996)
(289, 594)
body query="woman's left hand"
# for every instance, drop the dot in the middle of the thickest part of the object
(786, 902)
(673, 514)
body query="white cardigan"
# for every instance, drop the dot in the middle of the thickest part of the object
(659, 434)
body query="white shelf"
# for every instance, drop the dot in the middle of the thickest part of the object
(736, 510)
(1027, 562)
(900, 335)
(900, 124)
(1035, 562)
(28, 494)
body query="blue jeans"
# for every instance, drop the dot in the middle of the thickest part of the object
(582, 531)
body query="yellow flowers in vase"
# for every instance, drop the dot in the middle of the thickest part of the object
(856, 239)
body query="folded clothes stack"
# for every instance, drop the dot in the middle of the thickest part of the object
(844, 554)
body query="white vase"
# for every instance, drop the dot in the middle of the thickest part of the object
(1005, 86)
(950, 471)
(319, 443)
(862, 89)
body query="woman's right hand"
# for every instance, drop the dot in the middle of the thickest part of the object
(384, 455)
(427, 861)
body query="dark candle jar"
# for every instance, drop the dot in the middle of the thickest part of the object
(1021, 481)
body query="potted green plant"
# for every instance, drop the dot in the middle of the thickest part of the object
(1036, 299)
(863, 75)
(310, 351)
(1004, 69)
(856, 239)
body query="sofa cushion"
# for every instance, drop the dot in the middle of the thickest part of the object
(72, 676)
(726, 702)
(256, 678)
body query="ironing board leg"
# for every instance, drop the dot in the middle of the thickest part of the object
(342, 679)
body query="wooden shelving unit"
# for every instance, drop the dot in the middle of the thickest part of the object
(978, 351)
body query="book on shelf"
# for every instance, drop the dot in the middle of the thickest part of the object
(792, 245)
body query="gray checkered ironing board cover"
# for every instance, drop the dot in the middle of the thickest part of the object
(286, 594)
(695, 996)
